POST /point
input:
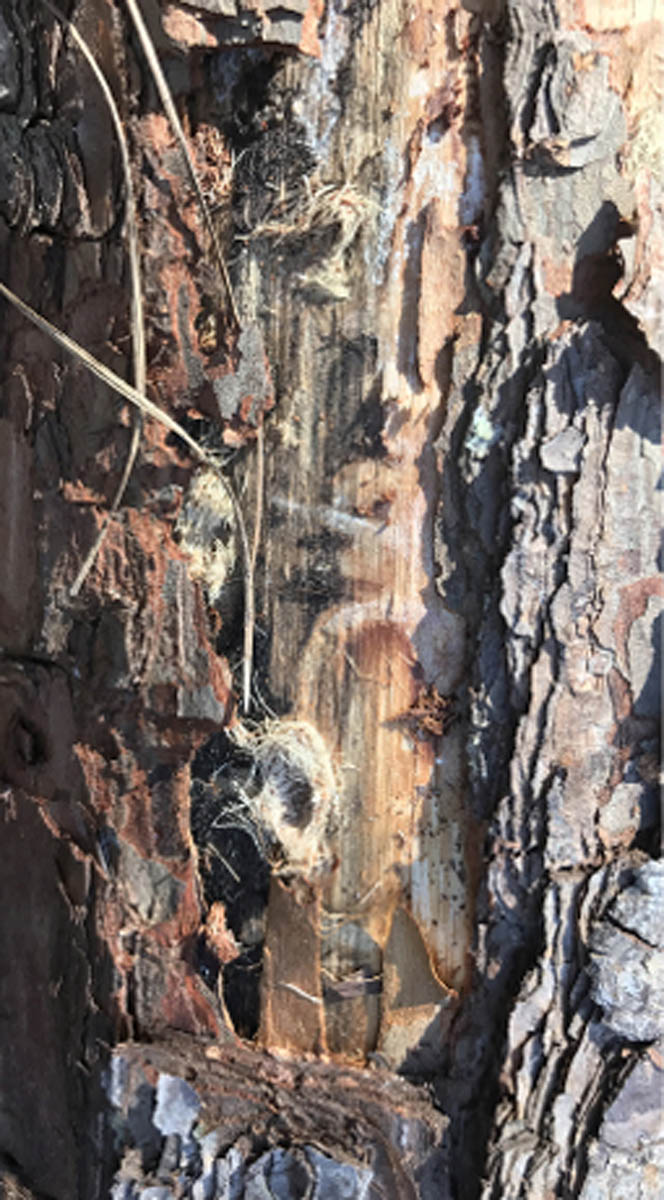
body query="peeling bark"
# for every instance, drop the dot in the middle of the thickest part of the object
(432, 850)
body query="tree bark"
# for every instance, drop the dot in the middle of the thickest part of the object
(393, 931)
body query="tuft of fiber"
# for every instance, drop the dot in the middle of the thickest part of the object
(291, 796)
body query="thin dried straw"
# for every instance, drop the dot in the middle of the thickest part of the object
(250, 594)
(137, 312)
(150, 409)
(136, 395)
(171, 113)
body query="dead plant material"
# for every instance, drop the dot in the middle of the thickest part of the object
(291, 796)
(176, 125)
(430, 713)
(136, 395)
(124, 389)
(320, 208)
(171, 112)
(137, 311)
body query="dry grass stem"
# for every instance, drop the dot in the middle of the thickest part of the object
(250, 614)
(136, 394)
(176, 125)
(298, 991)
(137, 312)
(171, 113)
(212, 849)
(150, 409)
(106, 375)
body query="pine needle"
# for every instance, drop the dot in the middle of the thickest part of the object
(137, 313)
(171, 112)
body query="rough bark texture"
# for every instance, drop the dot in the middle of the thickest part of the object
(431, 849)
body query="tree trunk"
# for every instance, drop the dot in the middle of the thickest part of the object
(393, 930)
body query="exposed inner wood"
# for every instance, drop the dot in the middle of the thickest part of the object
(357, 628)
